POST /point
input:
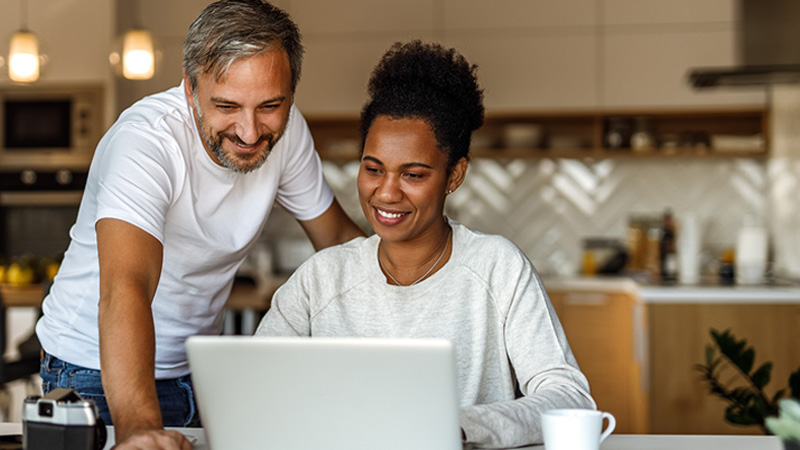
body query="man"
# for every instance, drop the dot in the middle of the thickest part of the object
(178, 192)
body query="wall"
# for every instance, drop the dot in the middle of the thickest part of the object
(545, 54)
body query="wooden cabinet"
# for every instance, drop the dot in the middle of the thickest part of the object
(607, 334)
(741, 132)
(679, 399)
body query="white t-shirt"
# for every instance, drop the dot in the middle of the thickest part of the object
(152, 171)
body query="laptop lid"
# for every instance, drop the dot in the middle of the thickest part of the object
(325, 393)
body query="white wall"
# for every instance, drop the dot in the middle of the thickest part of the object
(532, 55)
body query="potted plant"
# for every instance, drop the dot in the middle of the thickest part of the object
(787, 425)
(748, 403)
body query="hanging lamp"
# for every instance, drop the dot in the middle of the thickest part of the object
(138, 55)
(135, 53)
(23, 54)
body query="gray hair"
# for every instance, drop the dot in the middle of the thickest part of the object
(228, 30)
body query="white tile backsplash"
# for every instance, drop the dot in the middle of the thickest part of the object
(547, 206)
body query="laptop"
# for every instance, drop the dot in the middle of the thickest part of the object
(325, 393)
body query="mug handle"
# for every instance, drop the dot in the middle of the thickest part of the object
(612, 423)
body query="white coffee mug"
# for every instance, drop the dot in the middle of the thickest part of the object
(575, 429)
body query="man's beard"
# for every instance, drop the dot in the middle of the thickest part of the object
(243, 163)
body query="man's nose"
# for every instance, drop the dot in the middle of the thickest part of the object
(247, 128)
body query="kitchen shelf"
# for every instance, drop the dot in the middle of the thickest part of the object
(689, 133)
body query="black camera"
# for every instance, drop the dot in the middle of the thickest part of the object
(61, 420)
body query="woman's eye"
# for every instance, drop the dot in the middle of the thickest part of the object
(414, 176)
(372, 170)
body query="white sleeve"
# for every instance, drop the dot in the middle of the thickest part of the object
(135, 180)
(303, 190)
(547, 373)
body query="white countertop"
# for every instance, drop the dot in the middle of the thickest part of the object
(614, 442)
(702, 293)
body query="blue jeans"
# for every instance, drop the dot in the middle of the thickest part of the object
(175, 395)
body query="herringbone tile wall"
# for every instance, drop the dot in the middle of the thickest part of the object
(547, 206)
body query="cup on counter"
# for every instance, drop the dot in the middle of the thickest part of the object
(689, 249)
(751, 255)
(575, 429)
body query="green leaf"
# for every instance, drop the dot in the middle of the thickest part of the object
(745, 360)
(778, 395)
(762, 376)
(794, 383)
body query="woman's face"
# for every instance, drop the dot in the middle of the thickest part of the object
(403, 180)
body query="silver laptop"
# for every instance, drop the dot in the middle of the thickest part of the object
(325, 393)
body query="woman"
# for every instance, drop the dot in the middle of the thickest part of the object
(423, 275)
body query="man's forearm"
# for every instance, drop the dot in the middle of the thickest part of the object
(127, 354)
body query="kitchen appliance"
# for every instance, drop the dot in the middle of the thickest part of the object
(37, 209)
(49, 127)
(768, 44)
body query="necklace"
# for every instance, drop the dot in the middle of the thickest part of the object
(446, 244)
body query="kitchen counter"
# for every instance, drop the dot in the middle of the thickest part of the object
(701, 293)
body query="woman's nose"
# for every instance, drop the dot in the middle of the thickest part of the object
(389, 190)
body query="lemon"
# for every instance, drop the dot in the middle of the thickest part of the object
(19, 274)
(51, 270)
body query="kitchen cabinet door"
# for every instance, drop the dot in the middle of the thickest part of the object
(606, 331)
(679, 399)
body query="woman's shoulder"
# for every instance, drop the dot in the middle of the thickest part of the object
(338, 258)
(478, 242)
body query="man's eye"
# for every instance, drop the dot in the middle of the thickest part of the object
(414, 176)
(226, 107)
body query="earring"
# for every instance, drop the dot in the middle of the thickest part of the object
(449, 191)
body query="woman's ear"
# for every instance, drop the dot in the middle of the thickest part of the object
(457, 175)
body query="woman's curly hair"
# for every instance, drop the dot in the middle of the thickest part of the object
(429, 82)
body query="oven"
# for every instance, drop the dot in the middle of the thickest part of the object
(37, 210)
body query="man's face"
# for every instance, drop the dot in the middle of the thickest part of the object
(241, 117)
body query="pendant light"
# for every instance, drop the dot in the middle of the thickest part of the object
(23, 55)
(134, 56)
(138, 55)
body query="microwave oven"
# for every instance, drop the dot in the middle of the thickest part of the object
(50, 126)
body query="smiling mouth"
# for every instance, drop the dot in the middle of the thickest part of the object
(390, 215)
(243, 147)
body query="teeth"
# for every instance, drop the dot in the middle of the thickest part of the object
(389, 215)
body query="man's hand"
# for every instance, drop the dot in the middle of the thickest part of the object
(155, 440)
(332, 227)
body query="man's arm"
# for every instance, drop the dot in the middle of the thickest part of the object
(330, 228)
(130, 264)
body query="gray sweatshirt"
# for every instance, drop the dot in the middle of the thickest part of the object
(512, 357)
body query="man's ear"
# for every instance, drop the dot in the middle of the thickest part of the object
(187, 89)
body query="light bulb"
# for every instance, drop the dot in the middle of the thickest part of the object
(23, 60)
(138, 55)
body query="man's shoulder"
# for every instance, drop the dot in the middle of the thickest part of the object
(158, 110)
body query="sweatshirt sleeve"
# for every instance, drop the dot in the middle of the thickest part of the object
(289, 312)
(547, 373)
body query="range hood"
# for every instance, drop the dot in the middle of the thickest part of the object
(768, 45)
